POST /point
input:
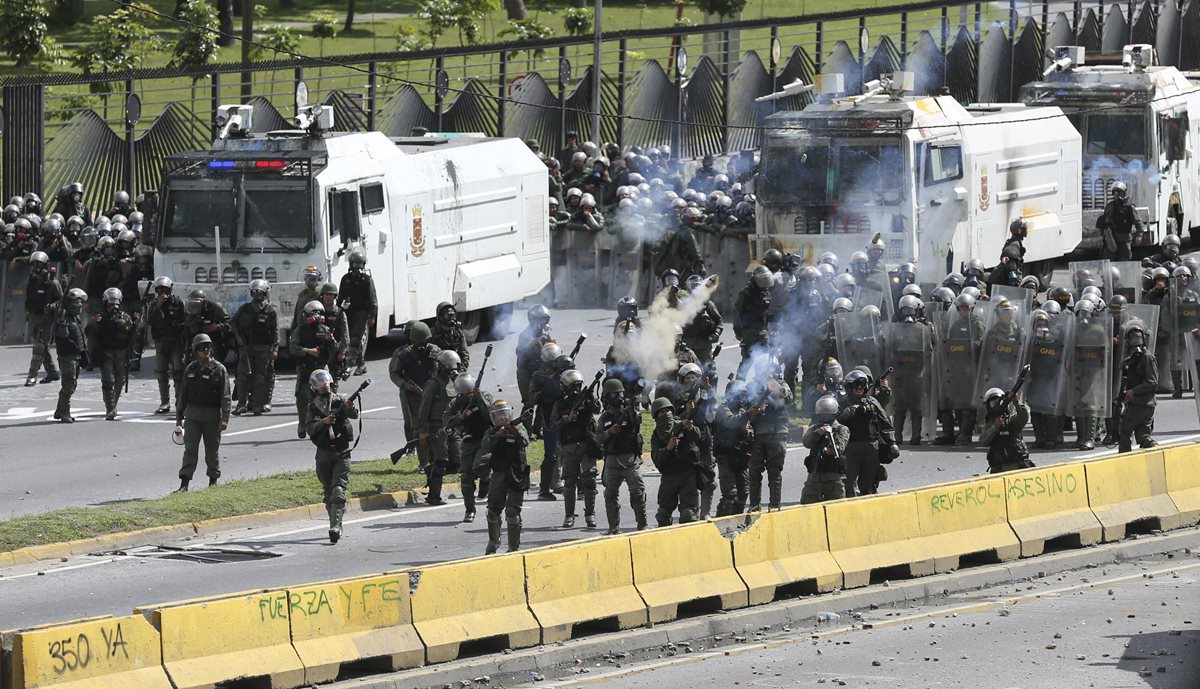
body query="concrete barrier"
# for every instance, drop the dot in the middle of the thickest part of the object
(688, 565)
(244, 636)
(584, 582)
(480, 601)
(1182, 466)
(364, 621)
(874, 533)
(97, 653)
(1130, 488)
(779, 553)
(1050, 503)
(966, 518)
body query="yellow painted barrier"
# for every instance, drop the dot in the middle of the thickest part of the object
(875, 533)
(780, 550)
(97, 653)
(478, 600)
(365, 621)
(965, 518)
(1130, 488)
(1050, 503)
(238, 637)
(1182, 465)
(686, 564)
(585, 581)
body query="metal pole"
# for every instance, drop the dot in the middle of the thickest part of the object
(372, 87)
(130, 163)
(904, 38)
(437, 95)
(597, 137)
(725, 90)
(215, 80)
(978, 22)
(502, 106)
(562, 108)
(819, 51)
(621, 65)
(1012, 20)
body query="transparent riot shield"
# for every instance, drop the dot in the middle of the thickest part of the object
(956, 354)
(733, 266)
(1017, 295)
(879, 281)
(1185, 317)
(1088, 273)
(910, 353)
(1126, 279)
(1050, 347)
(625, 266)
(867, 296)
(581, 256)
(1003, 350)
(1090, 386)
(1147, 315)
(859, 341)
(605, 242)
(1192, 348)
(560, 265)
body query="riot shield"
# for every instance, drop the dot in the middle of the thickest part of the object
(1126, 278)
(859, 341)
(1003, 350)
(581, 257)
(560, 265)
(1049, 353)
(879, 281)
(1192, 347)
(910, 353)
(1089, 392)
(866, 296)
(1018, 295)
(1148, 315)
(1185, 317)
(956, 354)
(625, 266)
(1085, 273)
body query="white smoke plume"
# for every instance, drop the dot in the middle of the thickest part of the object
(653, 347)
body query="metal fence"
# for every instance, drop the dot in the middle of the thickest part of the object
(65, 128)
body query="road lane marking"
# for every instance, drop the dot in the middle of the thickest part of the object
(293, 423)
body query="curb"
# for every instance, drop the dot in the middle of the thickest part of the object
(516, 665)
(116, 541)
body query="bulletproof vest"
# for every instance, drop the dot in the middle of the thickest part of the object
(262, 325)
(334, 319)
(574, 431)
(758, 302)
(419, 362)
(548, 392)
(863, 427)
(68, 333)
(309, 336)
(679, 460)
(447, 339)
(97, 280)
(173, 316)
(37, 295)
(628, 441)
(736, 439)
(111, 331)
(1007, 449)
(820, 463)
(506, 453)
(210, 314)
(204, 387)
(1120, 217)
(355, 291)
(1134, 370)
(342, 430)
(477, 424)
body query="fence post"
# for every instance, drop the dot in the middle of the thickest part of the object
(437, 92)
(946, 27)
(819, 50)
(978, 22)
(24, 139)
(372, 87)
(502, 104)
(130, 144)
(725, 58)
(904, 39)
(562, 110)
(1046, 17)
(621, 65)
(1012, 20)
(215, 79)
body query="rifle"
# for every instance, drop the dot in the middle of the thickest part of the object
(587, 394)
(487, 354)
(1009, 396)
(875, 390)
(407, 449)
(630, 407)
(578, 343)
(809, 462)
(338, 409)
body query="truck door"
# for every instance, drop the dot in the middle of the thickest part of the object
(941, 204)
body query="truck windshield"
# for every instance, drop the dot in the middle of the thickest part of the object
(1122, 135)
(277, 218)
(254, 215)
(868, 172)
(192, 214)
(794, 171)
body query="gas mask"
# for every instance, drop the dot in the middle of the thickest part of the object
(1136, 341)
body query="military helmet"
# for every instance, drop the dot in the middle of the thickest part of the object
(913, 290)
(163, 282)
(973, 266)
(587, 200)
(320, 379)
(826, 406)
(660, 404)
(449, 360)
(844, 282)
(876, 247)
(137, 219)
(773, 257)
(909, 305)
(76, 294)
(1119, 188)
(735, 392)
(549, 352)
(40, 260)
(833, 370)
(857, 378)
(825, 270)
(1060, 294)
(573, 192)
(329, 288)
(942, 295)
(871, 310)
(829, 258)
(1031, 282)
(120, 198)
(613, 386)
(669, 277)
(1171, 240)
(842, 305)
(11, 213)
(761, 276)
(694, 282)
(201, 340)
(953, 280)
(538, 314)
(104, 243)
(859, 261)
(32, 200)
(570, 378)
(692, 215)
(52, 227)
(1134, 326)
(312, 275)
(1159, 273)
(1181, 272)
(464, 384)
(678, 205)
(313, 308)
(973, 291)
(358, 258)
(808, 274)
(112, 296)
(259, 287)
(964, 300)
(124, 236)
(563, 363)
(992, 395)
(418, 333)
(627, 307)
(579, 157)
(907, 270)
(1085, 309)
(688, 370)
(1019, 226)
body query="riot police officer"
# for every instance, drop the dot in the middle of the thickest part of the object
(311, 347)
(256, 327)
(675, 451)
(871, 434)
(704, 329)
(330, 429)
(70, 347)
(361, 306)
(733, 441)
(114, 332)
(210, 318)
(750, 313)
(1004, 421)
(203, 412)
(312, 292)
(42, 296)
(448, 333)
(166, 317)
(618, 433)
(769, 417)
(529, 348)
(335, 320)
(410, 369)
(503, 450)
(826, 441)
(573, 417)
(1118, 223)
(1139, 383)
(467, 416)
(442, 449)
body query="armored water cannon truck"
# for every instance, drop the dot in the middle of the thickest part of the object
(1140, 124)
(940, 182)
(453, 218)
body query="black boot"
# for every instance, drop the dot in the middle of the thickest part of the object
(435, 488)
(183, 486)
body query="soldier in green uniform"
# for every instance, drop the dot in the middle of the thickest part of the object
(42, 296)
(447, 333)
(428, 423)
(410, 369)
(361, 306)
(256, 327)
(1139, 383)
(573, 417)
(330, 430)
(339, 326)
(71, 346)
(311, 344)
(679, 251)
(826, 440)
(166, 317)
(503, 452)
(675, 451)
(703, 331)
(733, 439)
(311, 292)
(1118, 223)
(870, 429)
(529, 348)
(210, 318)
(618, 433)
(467, 415)
(769, 418)
(750, 312)
(114, 333)
(202, 412)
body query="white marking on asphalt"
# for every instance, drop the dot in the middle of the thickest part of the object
(60, 569)
(293, 423)
(362, 520)
(1172, 441)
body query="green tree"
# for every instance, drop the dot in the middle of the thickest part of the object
(197, 42)
(23, 33)
(577, 21)
(721, 8)
(524, 30)
(120, 40)
(275, 40)
(439, 16)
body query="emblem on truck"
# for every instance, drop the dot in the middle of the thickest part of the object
(985, 199)
(416, 243)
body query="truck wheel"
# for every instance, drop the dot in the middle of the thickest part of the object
(471, 323)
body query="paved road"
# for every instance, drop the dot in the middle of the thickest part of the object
(1131, 625)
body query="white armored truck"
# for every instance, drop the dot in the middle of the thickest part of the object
(441, 218)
